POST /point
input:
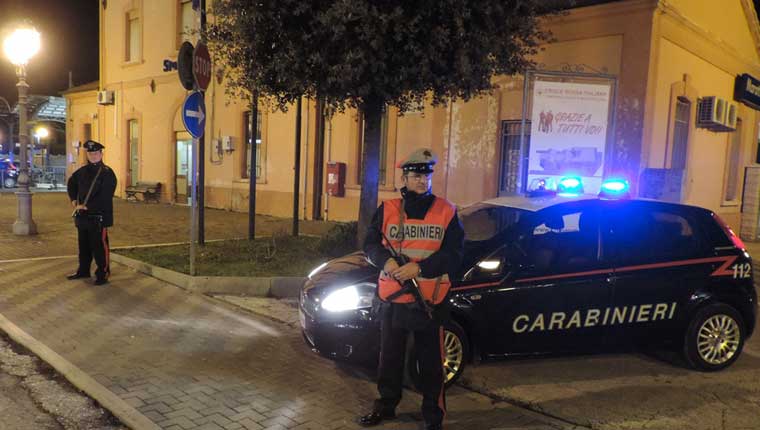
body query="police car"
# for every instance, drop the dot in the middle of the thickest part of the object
(564, 274)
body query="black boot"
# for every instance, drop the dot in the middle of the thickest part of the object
(77, 275)
(376, 417)
(433, 426)
(101, 281)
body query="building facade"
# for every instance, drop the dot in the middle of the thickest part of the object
(655, 63)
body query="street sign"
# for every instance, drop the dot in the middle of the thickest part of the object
(194, 114)
(201, 66)
(185, 65)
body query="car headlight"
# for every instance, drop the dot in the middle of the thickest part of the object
(350, 298)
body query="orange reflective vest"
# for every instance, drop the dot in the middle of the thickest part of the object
(417, 239)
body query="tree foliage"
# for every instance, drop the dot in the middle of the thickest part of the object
(369, 54)
(352, 51)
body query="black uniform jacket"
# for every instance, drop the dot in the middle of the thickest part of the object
(101, 198)
(444, 261)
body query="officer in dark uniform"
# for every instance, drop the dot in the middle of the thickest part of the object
(91, 189)
(436, 258)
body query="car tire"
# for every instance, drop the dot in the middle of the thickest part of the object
(457, 350)
(9, 183)
(714, 338)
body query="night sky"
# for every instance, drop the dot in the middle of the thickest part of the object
(69, 32)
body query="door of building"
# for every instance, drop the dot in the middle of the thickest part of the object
(184, 145)
(134, 151)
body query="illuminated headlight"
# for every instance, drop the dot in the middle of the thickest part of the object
(317, 269)
(350, 298)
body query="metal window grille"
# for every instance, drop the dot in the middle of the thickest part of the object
(510, 154)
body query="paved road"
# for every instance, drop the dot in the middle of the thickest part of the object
(608, 391)
(188, 363)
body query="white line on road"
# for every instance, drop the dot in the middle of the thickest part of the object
(36, 259)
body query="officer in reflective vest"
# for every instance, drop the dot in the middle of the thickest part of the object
(426, 229)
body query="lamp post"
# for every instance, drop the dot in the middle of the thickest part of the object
(19, 47)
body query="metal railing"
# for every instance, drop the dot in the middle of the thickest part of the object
(51, 177)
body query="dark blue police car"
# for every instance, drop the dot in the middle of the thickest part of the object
(564, 274)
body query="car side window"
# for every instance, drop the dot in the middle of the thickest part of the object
(642, 235)
(561, 242)
(485, 222)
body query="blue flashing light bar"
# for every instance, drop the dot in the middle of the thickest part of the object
(570, 185)
(614, 188)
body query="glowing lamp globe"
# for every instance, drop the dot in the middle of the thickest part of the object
(42, 133)
(22, 45)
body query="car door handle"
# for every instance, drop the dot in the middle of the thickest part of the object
(611, 280)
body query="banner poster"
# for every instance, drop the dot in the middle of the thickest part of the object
(569, 132)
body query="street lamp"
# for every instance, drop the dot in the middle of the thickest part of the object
(41, 133)
(19, 47)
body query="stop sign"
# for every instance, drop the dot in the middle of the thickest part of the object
(201, 66)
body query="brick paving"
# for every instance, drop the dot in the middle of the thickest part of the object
(187, 363)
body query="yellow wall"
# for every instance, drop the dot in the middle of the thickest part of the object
(648, 46)
(700, 47)
(81, 109)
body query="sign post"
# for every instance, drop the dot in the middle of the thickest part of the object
(202, 78)
(194, 119)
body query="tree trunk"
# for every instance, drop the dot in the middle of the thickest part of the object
(297, 168)
(371, 166)
(254, 127)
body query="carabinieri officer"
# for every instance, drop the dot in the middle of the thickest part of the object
(427, 230)
(91, 189)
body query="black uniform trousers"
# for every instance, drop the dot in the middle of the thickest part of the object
(93, 243)
(428, 344)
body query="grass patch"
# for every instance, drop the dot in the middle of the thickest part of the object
(278, 256)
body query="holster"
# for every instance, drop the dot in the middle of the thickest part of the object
(85, 220)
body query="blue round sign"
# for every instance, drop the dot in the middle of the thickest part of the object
(194, 114)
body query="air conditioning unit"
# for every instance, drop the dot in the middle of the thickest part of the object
(105, 97)
(712, 112)
(731, 116)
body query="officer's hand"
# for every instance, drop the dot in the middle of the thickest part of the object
(390, 266)
(80, 207)
(406, 272)
(74, 203)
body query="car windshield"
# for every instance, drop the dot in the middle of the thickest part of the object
(484, 221)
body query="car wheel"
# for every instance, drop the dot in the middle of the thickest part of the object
(9, 183)
(714, 338)
(456, 350)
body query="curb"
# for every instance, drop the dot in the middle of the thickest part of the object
(279, 287)
(122, 410)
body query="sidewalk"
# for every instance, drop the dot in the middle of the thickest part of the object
(186, 363)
